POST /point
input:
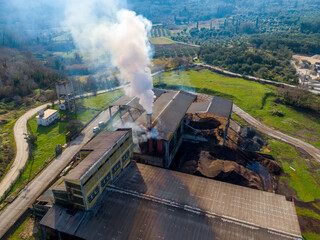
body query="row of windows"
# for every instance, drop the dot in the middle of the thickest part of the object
(72, 185)
(94, 193)
(60, 195)
(114, 153)
(116, 168)
(117, 149)
(105, 180)
(53, 118)
(77, 192)
(125, 156)
(88, 179)
(78, 200)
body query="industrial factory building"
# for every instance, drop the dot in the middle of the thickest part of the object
(146, 202)
(114, 192)
(161, 133)
(105, 156)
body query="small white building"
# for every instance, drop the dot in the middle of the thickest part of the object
(47, 117)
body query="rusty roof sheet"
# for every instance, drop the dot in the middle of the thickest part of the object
(218, 106)
(99, 146)
(246, 205)
(147, 202)
(167, 112)
(123, 216)
(61, 219)
(221, 107)
(199, 107)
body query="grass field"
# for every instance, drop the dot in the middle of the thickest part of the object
(306, 179)
(82, 114)
(255, 98)
(27, 230)
(47, 139)
(101, 101)
(307, 213)
(311, 236)
(160, 40)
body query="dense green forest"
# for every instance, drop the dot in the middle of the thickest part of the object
(21, 74)
(244, 36)
(248, 61)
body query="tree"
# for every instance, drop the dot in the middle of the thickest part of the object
(74, 126)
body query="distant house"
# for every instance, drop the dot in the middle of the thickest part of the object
(317, 66)
(47, 117)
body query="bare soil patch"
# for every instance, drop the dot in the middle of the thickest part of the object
(309, 224)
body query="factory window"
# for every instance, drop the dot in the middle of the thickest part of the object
(102, 165)
(126, 143)
(88, 180)
(60, 195)
(107, 159)
(105, 180)
(77, 192)
(125, 156)
(77, 200)
(72, 185)
(116, 168)
(94, 193)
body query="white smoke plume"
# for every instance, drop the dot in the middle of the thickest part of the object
(106, 31)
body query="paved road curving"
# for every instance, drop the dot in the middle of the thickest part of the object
(22, 150)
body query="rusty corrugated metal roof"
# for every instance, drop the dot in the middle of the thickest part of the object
(167, 112)
(259, 208)
(147, 202)
(221, 107)
(199, 107)
(218, 106)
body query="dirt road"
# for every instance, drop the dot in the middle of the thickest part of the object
(22, 149)
(313, 151)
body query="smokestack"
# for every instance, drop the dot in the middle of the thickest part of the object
(149, 120)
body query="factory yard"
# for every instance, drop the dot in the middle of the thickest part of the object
(300, 177)
(282, 179)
